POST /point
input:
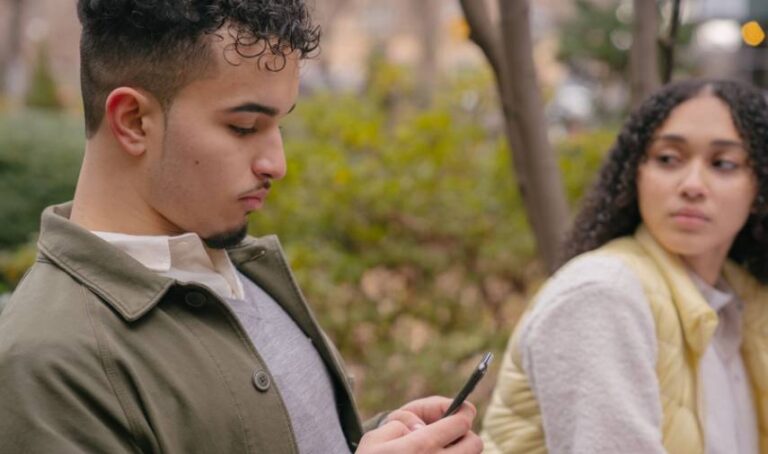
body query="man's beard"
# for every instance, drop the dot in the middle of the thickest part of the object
(227, 239)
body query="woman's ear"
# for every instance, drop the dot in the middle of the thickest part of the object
(126, 113)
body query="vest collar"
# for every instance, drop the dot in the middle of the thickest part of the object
(698, 320)
(755, 296)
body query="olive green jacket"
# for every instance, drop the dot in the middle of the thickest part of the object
(99, 354)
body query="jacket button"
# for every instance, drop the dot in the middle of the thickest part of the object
(261, 380)
(194, 299)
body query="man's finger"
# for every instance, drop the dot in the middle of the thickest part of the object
(408, 418)
(392, 430)
(430, 409)
(469, 444)
(443, 432)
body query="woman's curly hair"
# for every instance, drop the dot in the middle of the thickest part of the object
(161, 45)
(610, 210)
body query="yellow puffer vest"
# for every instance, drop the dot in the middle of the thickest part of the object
(684, 326)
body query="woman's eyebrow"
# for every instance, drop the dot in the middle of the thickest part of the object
(727, 143)
(719, 143)
(670, 138)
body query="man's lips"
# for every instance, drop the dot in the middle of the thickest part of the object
(255, 199)
(256, 194)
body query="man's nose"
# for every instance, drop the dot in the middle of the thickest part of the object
(269, 161)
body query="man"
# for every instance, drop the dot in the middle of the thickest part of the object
(150, 322)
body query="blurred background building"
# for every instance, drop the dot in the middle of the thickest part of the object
(580, 45)
(718, 43)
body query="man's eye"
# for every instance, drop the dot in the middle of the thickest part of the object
(241, 131)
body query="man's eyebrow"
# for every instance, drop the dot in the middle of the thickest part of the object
(255, 107)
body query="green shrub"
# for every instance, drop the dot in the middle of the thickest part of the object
(404, 226)
(408, 235)
(14, 263)
(40, 154)
(42, 92)
(580, 158)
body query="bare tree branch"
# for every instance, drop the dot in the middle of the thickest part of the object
(510, 53)
(12, 66)
(482, 31)
(668, 44)
(546, 205)
(643, 56)
(428, 14)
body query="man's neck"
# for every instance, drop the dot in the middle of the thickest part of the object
(107, 200)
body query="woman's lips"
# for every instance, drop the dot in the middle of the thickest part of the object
(690, 219)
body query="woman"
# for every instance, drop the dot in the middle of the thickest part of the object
(653, 337)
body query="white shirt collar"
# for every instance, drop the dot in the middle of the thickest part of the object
(717, 296)
(183, 257)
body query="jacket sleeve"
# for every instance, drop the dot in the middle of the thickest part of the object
(588, 352)
(55, 396)
(591, 356)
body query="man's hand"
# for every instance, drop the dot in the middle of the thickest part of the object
(417, 428)
(430, 409)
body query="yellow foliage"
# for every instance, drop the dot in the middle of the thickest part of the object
(14, 264)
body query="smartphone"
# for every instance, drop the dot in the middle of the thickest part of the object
(466, 390)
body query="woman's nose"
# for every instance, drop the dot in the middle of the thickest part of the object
(693, 184)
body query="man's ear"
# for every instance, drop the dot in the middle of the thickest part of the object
(127, 113)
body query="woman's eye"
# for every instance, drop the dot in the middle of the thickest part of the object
(667, 159)
(724, 164)
(242, 131)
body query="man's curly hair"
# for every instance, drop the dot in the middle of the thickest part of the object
(162, 45)
(610, 210)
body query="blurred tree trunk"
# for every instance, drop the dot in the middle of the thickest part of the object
(428, 20)
(643, 56)
(509, 50)
(13, 66)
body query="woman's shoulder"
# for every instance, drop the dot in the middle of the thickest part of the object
(593, 272)
(591, 290)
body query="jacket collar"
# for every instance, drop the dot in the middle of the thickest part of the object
(123, 283)
(132, 290)
(698, 319)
